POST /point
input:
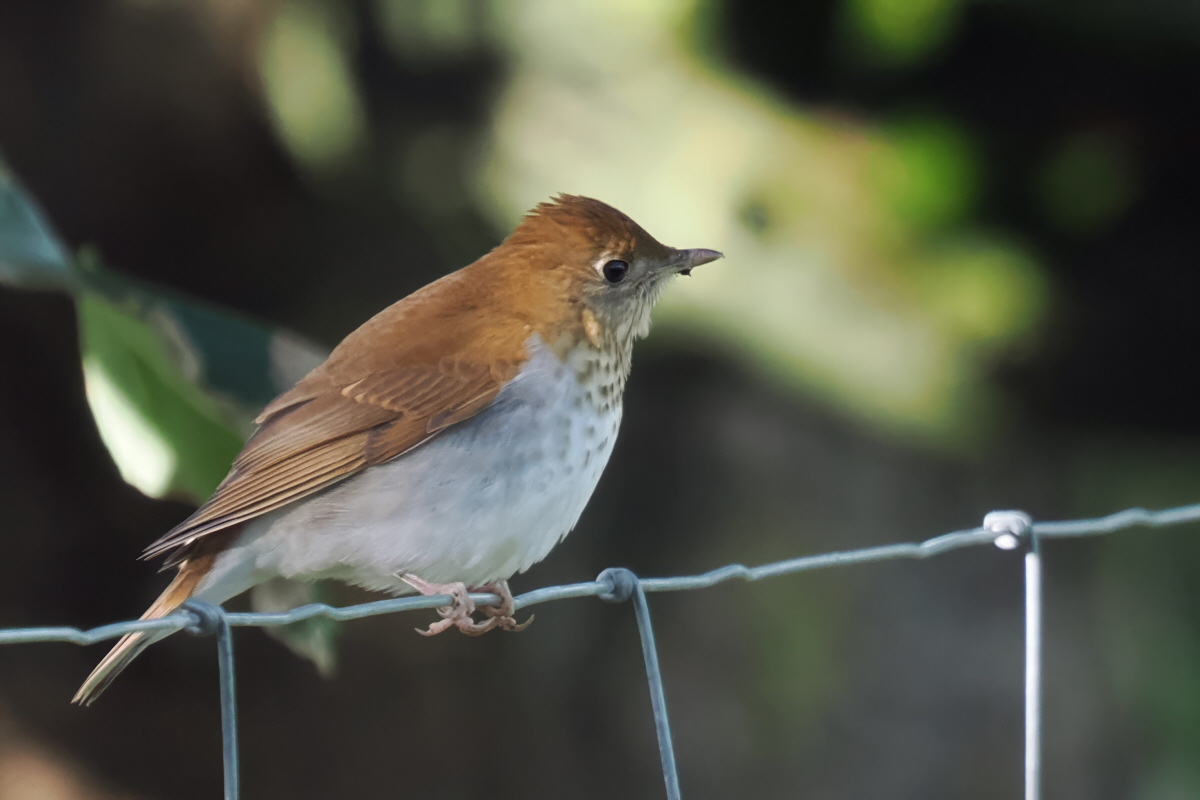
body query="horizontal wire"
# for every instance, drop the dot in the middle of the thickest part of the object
(1122, 520)
(1129, 518)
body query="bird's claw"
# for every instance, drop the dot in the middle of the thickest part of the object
(459, 613)
(502, 616)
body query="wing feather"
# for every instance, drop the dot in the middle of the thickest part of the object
(432, 360)
(336, 432)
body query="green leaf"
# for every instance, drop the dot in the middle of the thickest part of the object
(173, 384)
(31, 256)
(314, 638)
(167, 436)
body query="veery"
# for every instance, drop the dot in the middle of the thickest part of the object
(449, 442)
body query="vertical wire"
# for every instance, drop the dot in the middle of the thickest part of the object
(229, 732)
(658, 700)
(1033, 670)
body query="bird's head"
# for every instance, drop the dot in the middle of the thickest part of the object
(606, 262)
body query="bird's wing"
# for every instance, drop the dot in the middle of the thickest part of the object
(328, 428)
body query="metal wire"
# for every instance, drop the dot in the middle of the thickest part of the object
(623, 584)
(1006, 529)
(211, 619)
(1033, 671)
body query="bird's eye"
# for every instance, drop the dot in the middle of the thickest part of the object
(614, 271)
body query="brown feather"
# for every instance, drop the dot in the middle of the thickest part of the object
(131, 645)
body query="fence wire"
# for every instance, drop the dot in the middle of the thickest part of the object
(1008, 530)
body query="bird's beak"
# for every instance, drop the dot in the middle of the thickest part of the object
(683, 260)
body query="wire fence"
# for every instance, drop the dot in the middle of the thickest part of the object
(1008, 530)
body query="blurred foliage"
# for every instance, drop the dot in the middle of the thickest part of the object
(31, 257)
(821, 217)
(1150, 609)
(1088, 181)
(165, 434)
(931, 174)
(314, 639)
(828, 223)
(797, 677)
(173, 384)
(900, 32)
(306, 74)
(149, 360)
(425, 33)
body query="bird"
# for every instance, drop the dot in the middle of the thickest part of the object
(448, 443)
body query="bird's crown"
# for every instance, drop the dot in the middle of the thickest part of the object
(585, 226)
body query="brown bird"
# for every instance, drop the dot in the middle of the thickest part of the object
(449, 442)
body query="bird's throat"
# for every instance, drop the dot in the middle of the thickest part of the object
(601, 372)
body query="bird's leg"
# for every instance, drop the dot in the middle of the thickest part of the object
(502, 616)
(457, 614)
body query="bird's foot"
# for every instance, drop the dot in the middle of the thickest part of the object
(459, 613)
(503, 616)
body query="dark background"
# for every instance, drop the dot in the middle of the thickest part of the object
(139, 128)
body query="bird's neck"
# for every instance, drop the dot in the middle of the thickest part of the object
(601, 373)
(602, 370)
(600, 351)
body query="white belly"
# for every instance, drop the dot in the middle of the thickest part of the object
(481, 501)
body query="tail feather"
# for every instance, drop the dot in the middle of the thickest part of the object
(132, 644)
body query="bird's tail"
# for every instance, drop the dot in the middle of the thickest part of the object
(132, 644)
